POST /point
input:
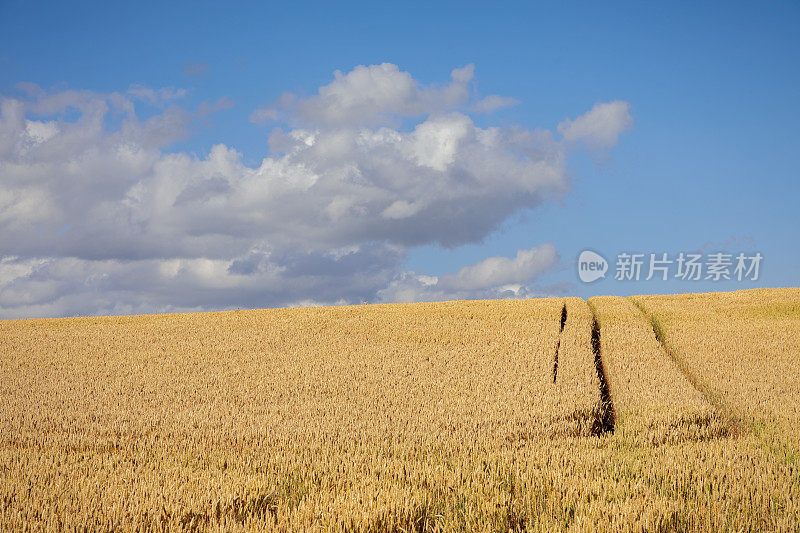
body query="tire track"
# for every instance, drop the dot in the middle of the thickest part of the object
(607, 419)
(558, 344)
(602, 417)
(731, 416)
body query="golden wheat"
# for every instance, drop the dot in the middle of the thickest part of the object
(652, 398)
(744, 347)
(458, 416)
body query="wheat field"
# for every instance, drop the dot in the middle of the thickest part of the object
(616, 414)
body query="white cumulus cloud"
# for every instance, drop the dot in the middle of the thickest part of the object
(601, 126)
(497, 271)
(99, 219)
(493, 102)
(494, 277)
(372, 95)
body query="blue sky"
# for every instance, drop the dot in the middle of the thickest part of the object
(709, 160)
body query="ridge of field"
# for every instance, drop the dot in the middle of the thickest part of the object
(744, 346)
(375, 418)
(653, 400)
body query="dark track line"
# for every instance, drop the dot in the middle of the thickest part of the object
(607, 419)
(555, 361)
(558, 344)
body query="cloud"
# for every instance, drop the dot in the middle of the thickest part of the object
(445, 182)
(264, 114)
(600, 127)
(493, 102)
(257, 279)
(154, 96)
(496, 271)
(98, 215)
(371, 95)
(196, 70)
(494, 277)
